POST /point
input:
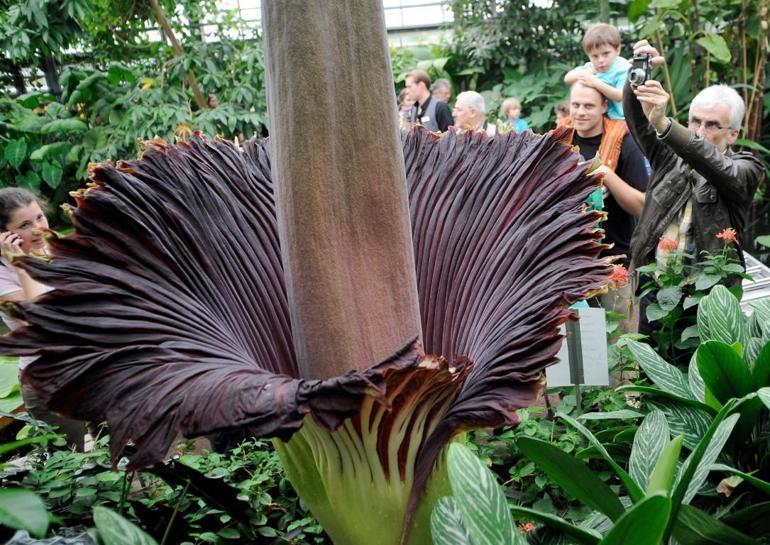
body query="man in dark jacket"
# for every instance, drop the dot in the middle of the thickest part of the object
(699, 185)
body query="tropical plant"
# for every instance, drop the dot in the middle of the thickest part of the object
(678, 284)
(210, 305)
(659, 490)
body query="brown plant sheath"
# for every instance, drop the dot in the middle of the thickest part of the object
(341, 194)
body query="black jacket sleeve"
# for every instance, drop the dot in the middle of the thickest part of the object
(443, 116)
(646, 137)
(734, 175)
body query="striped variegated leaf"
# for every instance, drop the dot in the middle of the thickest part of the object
(115, 530)
(650, 440)
(643, 524)
(623, 414)
(713, 450)
(481, 501)
(764, 396)
(695, 381)
(720, 317)
(446, 526)
(761, 313)
(684, 420)
(664, 375)
(753, 347)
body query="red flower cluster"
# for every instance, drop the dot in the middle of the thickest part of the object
(728, 235)
(618, 278)
(526, 527)
(667, 244)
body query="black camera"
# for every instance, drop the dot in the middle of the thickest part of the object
(640, 70)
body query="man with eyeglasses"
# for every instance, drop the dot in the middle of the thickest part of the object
(699, 185)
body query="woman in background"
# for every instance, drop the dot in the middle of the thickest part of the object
(23, 225)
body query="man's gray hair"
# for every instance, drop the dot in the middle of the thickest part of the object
(439, 83)
(472, 99)
(721, 94)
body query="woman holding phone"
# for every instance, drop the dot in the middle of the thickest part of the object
(23, 223)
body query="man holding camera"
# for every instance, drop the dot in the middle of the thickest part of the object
(699, 186)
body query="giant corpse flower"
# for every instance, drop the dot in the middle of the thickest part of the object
(358, 296)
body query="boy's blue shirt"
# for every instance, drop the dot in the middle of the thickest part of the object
(614, 76)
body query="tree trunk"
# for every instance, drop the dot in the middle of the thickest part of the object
(178, 51)
(341, 193)
(51, 72)
(18, 78)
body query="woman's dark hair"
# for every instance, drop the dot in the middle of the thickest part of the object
(12, 198)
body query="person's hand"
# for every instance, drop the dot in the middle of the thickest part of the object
(10, 245)
(654, 101)
(588, 79)
(643, 47)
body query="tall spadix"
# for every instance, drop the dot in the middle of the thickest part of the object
(341, 194)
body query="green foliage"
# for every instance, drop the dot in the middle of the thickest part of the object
(679, 287)
(24, 510)
(74, 484)
(116, 530)
(477, 512)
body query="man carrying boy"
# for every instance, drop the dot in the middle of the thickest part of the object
(607, 70)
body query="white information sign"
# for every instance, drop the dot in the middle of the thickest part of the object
(591, 367)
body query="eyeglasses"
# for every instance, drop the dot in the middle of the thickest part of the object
(709, 126)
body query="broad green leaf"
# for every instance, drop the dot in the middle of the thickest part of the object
(657, 392)
(720, 317)
(63, 125)
(576, 534)
(30, 180)
(52, 173)
(689, 332)
(724, 372)
(761, 369)
(623, 414)
(764, 396)
(764, 486)
(637, 8)
(669, 297)
(761, 314)
(711, 453)
(685, 477)
(115, 530)
(753, 349)
(15, 152)
(763, 240)
(716, 45)
(705, 281)
(691, 301)
(117, 74)
(481, 501)
(650, 440)
(695, 380)
(655, 312)
(574, 477)
(662, 476)
(694, 527)
(446, 524)
(643, 524)
(633, 490)
(753, 520)
(22, 509)
(664, 375)
(684, 420)
(49, 149)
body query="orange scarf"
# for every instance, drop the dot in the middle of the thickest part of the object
(613, 132)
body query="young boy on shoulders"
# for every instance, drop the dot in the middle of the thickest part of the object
(607, 70)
